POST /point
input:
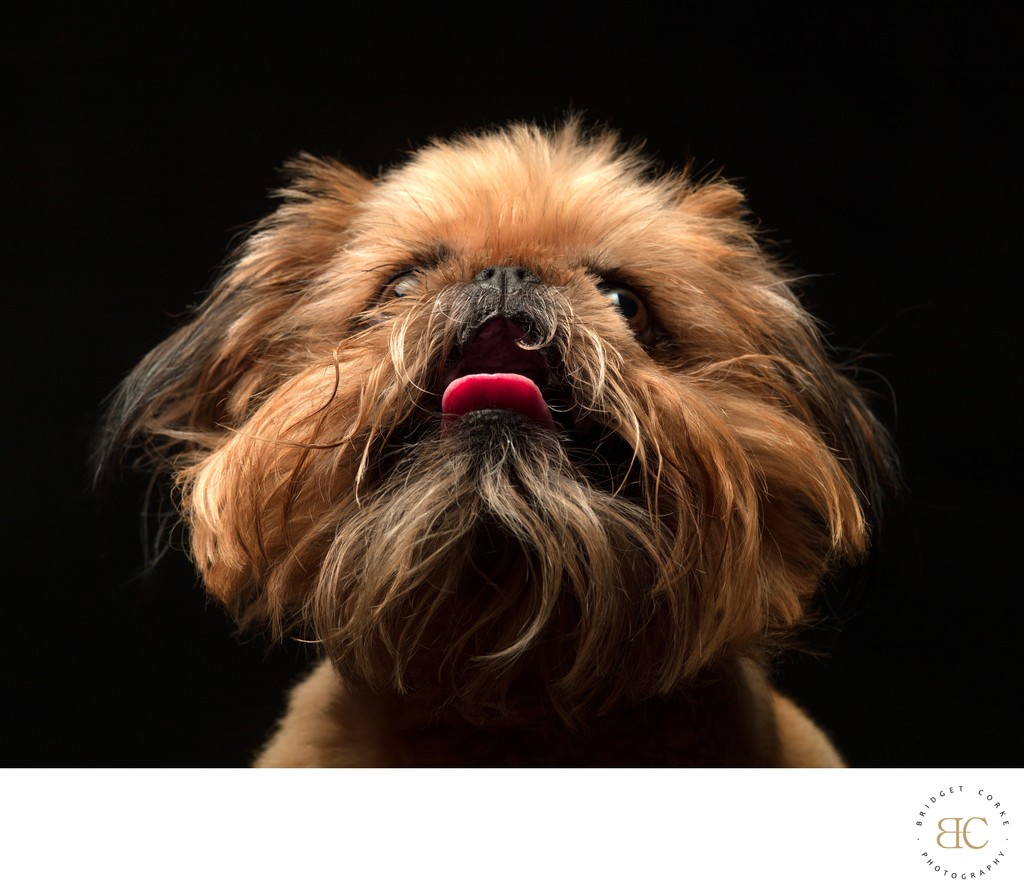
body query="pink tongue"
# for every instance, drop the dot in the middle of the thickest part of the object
(496, 391)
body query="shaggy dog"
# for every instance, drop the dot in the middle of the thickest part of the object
(534, 441)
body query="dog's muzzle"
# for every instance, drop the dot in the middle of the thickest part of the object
(511, 292)
(498, 369)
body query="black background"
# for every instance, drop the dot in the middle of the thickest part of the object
(879, 152)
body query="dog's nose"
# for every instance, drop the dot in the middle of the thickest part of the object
(508, 292)
(506, 279)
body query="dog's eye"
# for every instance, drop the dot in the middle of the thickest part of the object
(629, 305)
(401, 285)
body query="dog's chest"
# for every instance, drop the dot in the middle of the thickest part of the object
(719, 726)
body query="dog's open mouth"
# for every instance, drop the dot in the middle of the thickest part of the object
(497, 374)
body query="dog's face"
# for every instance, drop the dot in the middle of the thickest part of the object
(518, 426)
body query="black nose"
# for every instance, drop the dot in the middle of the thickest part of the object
(506, 279)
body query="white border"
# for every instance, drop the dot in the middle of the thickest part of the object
(481, 831)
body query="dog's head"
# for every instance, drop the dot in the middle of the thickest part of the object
(518, 425)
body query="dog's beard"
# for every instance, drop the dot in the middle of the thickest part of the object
(482, 548)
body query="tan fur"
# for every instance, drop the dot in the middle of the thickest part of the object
(325, 726)
(802, 744)
(606, 592)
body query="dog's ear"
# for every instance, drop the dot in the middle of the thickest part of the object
(826, 394)
(858, 439)
(209, 374)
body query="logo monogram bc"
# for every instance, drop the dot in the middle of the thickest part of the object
(959, 832)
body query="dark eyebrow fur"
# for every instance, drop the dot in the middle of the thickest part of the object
(619, 276)
(425, 260)
(431, 257)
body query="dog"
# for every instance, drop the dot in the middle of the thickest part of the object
(535, 442)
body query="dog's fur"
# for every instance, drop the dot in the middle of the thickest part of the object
(606, 589)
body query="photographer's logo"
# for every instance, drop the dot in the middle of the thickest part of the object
(963, 832)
